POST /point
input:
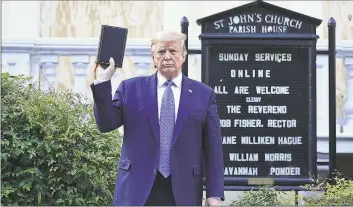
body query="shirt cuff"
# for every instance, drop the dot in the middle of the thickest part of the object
(218, 198)
(95, 82)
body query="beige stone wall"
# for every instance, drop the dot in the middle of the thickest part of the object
(342, 11)
(143, 18)
(83, 19)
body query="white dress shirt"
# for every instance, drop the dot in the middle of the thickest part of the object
(176, 89)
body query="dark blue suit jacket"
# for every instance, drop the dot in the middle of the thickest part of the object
(197, 136)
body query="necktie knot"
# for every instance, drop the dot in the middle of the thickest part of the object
(169, 83)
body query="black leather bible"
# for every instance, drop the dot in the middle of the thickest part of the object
(112, 43)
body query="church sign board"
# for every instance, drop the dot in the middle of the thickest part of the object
(261, 61)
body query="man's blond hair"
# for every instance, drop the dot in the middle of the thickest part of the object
(166, 36)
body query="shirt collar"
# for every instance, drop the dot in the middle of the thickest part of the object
(161, 80)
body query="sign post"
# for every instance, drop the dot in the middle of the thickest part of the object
(261, 61)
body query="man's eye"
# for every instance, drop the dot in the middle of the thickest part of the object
(161, 52)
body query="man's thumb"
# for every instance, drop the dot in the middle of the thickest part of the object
(112, 63)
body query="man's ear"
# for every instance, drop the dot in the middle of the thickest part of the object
(155, 66)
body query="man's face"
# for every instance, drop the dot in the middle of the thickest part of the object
(168, 58)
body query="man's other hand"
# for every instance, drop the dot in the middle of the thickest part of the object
(213, 202)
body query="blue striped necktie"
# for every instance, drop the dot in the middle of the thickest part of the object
(167, 122)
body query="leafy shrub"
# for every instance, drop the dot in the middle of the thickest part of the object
(52, 153)
(340, 194)
(264, 196)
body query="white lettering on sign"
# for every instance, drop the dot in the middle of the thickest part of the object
(273, 57)
(218, 24)
(225, 122)
(244, 157)
(267, 109)
(241, 90)
(272, 123)
(248, 123)
(220, 90)
(245, 18)
(241, 171)
(246, 23)
(242, 29)
(240, 73)
(229, 140)
(232, 57)
(258, 125)
(257, 140)
(278, 90)
(278, 157)
(274, 29)
(234, 27)
(284, 171)
(280, 20)
(233, 109)
(289, 140)
(253, 99)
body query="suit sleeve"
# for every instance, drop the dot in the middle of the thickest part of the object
(107, 111)
(213, 154)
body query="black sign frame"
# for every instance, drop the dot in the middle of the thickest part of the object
(247, 25)
(210, 41)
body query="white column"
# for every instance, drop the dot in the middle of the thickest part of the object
(348, 107)
(142, 64)
(322, 96)
(35, 68)
(48, 65)
(195, 67)
(16, 63)
(80, 64)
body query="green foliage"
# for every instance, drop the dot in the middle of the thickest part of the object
(52, 152)
(265, 196)
(340, 194)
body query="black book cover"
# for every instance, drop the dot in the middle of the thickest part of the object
(112, 43)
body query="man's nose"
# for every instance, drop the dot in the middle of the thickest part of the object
(167, 55)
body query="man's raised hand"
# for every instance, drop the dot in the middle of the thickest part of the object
(107, 73)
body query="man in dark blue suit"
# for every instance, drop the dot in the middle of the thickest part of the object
(171, 129)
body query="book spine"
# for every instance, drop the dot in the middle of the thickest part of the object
(123, 51)
(100, 44)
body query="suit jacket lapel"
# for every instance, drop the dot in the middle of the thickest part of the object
(150, 89)
(183, 111)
